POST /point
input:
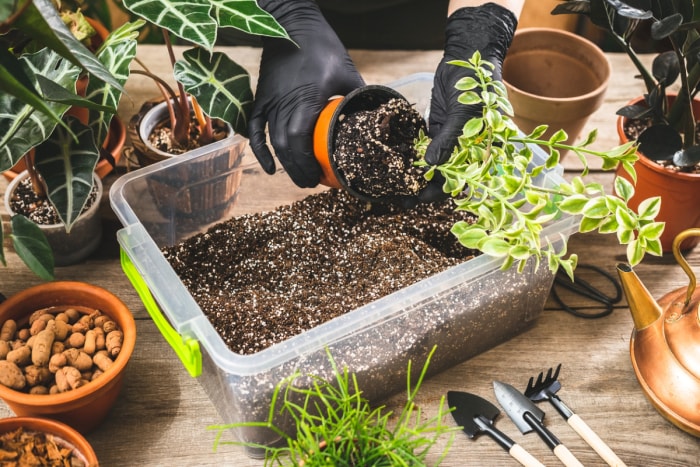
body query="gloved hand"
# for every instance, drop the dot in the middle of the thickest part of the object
(294, 84)
(489, 29)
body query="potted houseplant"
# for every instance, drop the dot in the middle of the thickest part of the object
(465, 308)
(668, 142)
(195, 116)
(202, 75)
(60, 152)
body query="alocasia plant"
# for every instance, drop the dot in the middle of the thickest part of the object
(65, 173)
(491, 174)
(221, 86)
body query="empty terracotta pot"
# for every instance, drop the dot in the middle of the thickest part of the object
(556, 78)
(86, 407)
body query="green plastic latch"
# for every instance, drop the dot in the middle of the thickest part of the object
(186, 348)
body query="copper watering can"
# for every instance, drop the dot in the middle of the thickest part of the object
(665, 343)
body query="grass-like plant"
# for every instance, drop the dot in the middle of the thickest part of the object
(336, 425)
(491, 174)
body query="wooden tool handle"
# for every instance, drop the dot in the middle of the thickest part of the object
(594, 441)
(566, 457)
(525, 458)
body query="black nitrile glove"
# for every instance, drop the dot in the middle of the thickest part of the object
(489, 29)
(295, 83)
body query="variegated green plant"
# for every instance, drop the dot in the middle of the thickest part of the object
(66, 151)
(492, 175)
(220, 86)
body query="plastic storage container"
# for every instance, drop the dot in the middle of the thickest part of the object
(464, 310)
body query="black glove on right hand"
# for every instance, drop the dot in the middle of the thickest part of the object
(489, 29)
(294, 85)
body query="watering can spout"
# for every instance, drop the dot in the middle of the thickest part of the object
(645, 310)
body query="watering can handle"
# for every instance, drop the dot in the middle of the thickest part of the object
(683, 262)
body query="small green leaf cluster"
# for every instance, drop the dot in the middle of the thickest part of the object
(336, 425)
(492, 174)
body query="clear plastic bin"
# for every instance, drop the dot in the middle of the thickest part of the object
(463, 311)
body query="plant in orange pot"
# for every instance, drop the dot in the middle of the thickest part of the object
(69, 379)
(663, 123)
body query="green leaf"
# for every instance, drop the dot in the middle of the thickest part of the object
(519, 252)
(625, 219)
(247, 16)
(468, 235)
(624, 188)
(67, 169)
(31, 246)
(41, 21)
(589, 224)
(635, 252)
(596, 208)
(625, 236)
(466, 84)
(473, 127)
(17, 81)
(221, 86)
(649, 208)
(652, 231)
(538, 132)
(191, 20)
(21, 128)
(495, 247)
(573, 204)
(469, 98)
(116, 53)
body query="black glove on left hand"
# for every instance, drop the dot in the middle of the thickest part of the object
(294, 85)
(489, 29)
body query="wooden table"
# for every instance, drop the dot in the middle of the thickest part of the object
(162, 414)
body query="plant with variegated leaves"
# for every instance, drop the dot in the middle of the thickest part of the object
(40, 63)
(220, 86)
(491, 174)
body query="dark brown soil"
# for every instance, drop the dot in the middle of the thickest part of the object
(374, 150)
(265, 277)
(39, 210)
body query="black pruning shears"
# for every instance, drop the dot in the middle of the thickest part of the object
(585, 289)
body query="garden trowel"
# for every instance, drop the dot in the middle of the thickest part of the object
(528, 417)
(476, 415)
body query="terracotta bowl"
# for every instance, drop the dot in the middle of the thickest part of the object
(86, 407)
(81, 447)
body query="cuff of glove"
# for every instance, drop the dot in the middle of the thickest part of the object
(488, 28)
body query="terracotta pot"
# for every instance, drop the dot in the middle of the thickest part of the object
(85, 235)
(679, 192)
(66, 435)
(86, 407)
(365, 98)
(116, 137)
(556, 78)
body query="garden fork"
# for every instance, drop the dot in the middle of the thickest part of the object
(545, 388)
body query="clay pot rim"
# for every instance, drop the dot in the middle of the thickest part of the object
(64, 432)
(651, 165)
(123, 317)
(24, 174)
(584, 43)
(324, 134)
